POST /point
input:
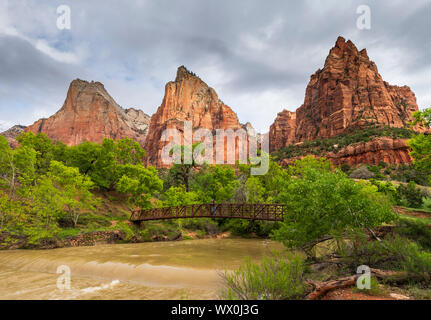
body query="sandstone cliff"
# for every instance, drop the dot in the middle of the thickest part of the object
(347, 93)
(394, 151)
(91, 114)
(187, 98)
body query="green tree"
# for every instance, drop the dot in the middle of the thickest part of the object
(128, 151)
(178, 196)
(140, 183)
(216, 183)
(75, 190)
(16, 166)
(182, 173)
(322, 204)
(421, 144)
(43, 147)
(254, 190)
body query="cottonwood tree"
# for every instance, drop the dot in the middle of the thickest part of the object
(139, 183)
(421, 144)
(322, 204)
(16, 166)
(75, 190)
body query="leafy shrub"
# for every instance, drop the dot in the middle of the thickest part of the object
(392, 253)
(276, 278)
(415, 230)
(388, 188)
(362, 173)
(248, 227)
(410, 195)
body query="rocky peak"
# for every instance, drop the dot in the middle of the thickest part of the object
(187, 98)
(89, 113)
(347, 93)
(282, 131)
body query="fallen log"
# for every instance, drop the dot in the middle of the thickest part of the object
(322, 288)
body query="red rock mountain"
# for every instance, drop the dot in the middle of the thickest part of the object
(187, 98)
(348, 93)
(91, 114)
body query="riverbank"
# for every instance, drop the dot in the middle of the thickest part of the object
(94, 238)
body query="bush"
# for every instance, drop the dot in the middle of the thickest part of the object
(275, 278)
(362, 173)
(415, 230)
(410, 195)
(248, 227)
(392, 253)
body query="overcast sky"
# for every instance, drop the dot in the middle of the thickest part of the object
(258, 55)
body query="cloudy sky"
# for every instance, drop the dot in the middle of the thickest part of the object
(258, 55)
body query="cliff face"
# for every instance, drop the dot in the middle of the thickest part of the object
(394, 151)
(347, 93)
(91, 114)
(187, 98)
(282, 131)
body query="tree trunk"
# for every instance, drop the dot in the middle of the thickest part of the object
(320, 289)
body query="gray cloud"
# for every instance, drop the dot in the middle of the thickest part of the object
(258, 55)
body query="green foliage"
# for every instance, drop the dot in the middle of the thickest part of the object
(422, 117)
(345, 168)
(277, 277)
(178, 196)
(392, 253)
(410, 195)
(421, 144)
(322, 203)
(140, 183)
(407, 173)
(16, 166)
(245, 228)
(43, 146)
(421, 152)
(415, 230)
(103, 162)
(128, 151)
(75, 190)
(389, 189)
(216, 183)
(182, 173)
(255, 191)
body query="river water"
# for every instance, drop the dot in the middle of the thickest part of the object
(159, 270)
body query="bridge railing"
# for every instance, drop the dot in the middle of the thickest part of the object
(268, 212)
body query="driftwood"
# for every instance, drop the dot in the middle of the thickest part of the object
(322, 288)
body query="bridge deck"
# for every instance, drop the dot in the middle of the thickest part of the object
(267, 212)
